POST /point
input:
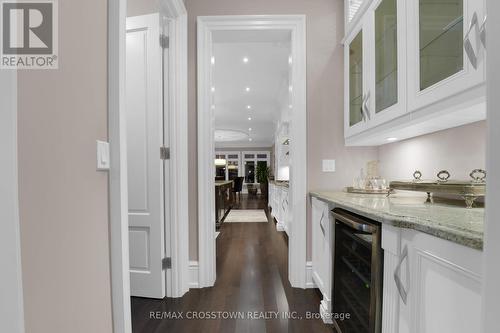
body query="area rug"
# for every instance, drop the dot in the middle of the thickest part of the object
(246, 215)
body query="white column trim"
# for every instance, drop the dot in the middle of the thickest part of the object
(175, 11)
(296, 24)
(491, 265)
(11, 284)
(118, 195)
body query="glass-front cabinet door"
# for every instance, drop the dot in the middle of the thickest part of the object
(386, 98)
(355, 81)
(445, 53)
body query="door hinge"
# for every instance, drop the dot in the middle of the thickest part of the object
(164, 153)
(164, 41)
(166, 263)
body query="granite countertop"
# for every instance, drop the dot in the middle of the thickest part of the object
(452, 222)
(284, 183)
(223, 182)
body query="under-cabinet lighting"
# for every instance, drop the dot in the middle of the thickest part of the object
(392, 139)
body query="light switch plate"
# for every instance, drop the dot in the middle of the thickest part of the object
(328, 165)
(103, 157)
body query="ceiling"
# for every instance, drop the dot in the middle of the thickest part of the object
(265, 73)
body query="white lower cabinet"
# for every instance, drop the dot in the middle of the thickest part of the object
(430, 285)
(278, 201)
(322, 250)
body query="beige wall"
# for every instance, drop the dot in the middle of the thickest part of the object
(142, 7)
(63, 200)
(459, 150)
(324, 91)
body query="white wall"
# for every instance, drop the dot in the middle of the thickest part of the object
(11, 299)
(458, 150)
(491, 291)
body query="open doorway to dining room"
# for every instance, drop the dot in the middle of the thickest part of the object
(251, 123)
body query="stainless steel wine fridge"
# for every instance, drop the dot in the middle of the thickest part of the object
(358, 267)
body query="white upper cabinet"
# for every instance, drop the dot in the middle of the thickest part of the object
(353, 10)
(445, 55)
(386, 97)
(356, 81)
(413, 67)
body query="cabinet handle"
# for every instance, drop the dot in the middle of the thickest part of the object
(321, 222)
(361, 109)
(397, 276)
(482, 32)
(365, 106)
(469, 49)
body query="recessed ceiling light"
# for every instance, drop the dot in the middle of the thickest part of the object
(290, 60)
(249, 118)
(250, 129)
(249, 107)
(213, 89)
(247, 89)
(213, 107)
(392, 139)
(245, 60)
(290, 106)
(212, 60)
(290, 88)
(249, 139)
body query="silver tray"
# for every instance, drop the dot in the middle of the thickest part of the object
(469, 190)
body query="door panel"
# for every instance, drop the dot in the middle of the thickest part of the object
(145, 168)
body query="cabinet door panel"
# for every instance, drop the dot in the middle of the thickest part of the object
(443, 286)
(438, 65)
(386, 55)
(356, 79)
(447, 297)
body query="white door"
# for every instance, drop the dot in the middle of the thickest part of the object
(145, 167)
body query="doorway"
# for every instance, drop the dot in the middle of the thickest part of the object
(169, 143)
(209, 29)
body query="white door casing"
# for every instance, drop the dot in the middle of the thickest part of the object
(11, 288)
(145, 167)
(296, 24)
(176, 13)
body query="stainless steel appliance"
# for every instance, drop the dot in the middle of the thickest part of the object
(358, 267)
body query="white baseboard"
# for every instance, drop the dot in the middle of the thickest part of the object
(325, 311)
(194, 275)
(280, 226)
(309, 279)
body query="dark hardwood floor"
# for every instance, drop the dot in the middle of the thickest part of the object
(250, 202)
(252, 276)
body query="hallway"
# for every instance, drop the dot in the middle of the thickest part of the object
(252, 275)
